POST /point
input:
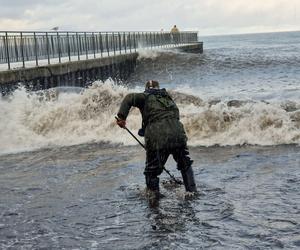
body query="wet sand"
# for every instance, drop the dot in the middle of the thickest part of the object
(92, 197)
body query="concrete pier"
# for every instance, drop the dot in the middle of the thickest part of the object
(78, 73)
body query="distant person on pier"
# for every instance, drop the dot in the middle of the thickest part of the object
(175, 34)
(164, 134)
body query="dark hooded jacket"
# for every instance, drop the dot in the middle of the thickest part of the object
(160, 115)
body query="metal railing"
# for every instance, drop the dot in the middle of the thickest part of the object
(40, 48)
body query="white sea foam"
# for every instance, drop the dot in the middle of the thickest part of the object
(54, 118)
(147, 53)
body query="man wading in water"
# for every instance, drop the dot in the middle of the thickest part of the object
(164, 134)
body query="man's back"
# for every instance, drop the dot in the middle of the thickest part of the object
(160, 118)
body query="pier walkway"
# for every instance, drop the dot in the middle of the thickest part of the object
(36, 56)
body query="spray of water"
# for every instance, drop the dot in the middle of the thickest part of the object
(51, 118)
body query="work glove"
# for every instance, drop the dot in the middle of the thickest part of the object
(141, 132)
(121, 123)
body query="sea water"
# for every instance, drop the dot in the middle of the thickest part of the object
(70, 178)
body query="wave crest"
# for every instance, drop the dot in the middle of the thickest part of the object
(59, 118)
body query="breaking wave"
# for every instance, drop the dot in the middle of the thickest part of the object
(31, 120)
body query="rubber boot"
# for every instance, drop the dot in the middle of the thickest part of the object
(153, 186)
(188, 180)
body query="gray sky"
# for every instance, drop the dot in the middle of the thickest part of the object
(209, 17)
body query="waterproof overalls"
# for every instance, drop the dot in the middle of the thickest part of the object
(164, 135)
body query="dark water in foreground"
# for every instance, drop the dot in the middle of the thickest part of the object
(91, 197)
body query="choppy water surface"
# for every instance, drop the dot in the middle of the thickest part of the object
(91, 197)
(71, 179)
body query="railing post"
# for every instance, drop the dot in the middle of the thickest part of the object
(7, 50)
(146, 39)
(125, 43)
(94, 44)
(107, 48)
(58, 47)
(78, 51)
(153, 40)
(47, 47)
(35, 50)
(134, 41)
(16, 49)
(86, 46)
(129, 38)
(143, 38)
(113, 41)
(68, 45)
(101, 44)
(167, 39)
(22, 50)
(120, 44)
(73, 44)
